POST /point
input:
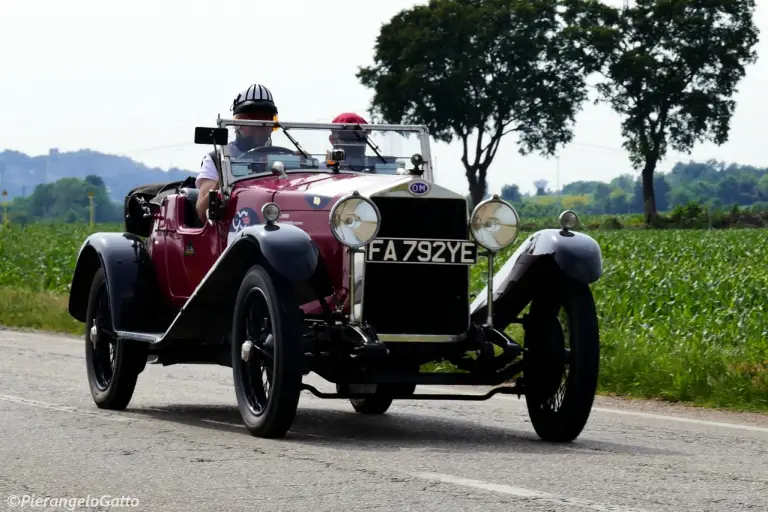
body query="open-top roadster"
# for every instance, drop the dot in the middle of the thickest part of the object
(356, 268)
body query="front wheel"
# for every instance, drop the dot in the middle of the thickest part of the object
(562, 361)
(113, 365)
(266, 353)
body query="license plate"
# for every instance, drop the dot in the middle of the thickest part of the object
(435, 252)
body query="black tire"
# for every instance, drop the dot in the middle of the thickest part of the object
(381, 399)
(113, 366)
(267, 411)
(546, 359)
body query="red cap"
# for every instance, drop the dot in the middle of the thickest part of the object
(349, 117)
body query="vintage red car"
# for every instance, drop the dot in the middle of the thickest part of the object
(346, 262)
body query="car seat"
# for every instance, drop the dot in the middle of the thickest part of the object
(191, 219)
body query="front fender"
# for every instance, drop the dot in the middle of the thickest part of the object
(129, 277)
(287, 248)
(576, 254)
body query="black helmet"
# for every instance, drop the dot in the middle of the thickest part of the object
(254, 98)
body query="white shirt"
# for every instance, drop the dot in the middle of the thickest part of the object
(207, 171)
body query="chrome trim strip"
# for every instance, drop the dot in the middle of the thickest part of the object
(359, 283)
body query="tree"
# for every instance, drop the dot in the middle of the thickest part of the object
(672, 76)
(95, 180)
(484, 68)
(511, 193)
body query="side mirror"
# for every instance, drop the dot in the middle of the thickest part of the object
(210, 136)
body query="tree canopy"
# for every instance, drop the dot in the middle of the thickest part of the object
(672, 74)
(713, 185)
(66, 200)
(482, 69)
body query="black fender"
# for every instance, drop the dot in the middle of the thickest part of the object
(286, 248)
(129, 276)
(283, 248)
(576, 254)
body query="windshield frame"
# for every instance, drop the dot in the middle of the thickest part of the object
(229, 179)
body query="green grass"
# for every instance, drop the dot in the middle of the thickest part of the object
(46, 310)
(683, 313)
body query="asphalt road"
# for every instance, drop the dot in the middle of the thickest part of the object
(180, 447)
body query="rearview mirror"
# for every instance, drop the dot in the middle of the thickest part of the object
(209, 136)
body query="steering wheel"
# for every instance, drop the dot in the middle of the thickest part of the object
(278, 150)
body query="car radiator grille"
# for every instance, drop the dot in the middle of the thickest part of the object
(418, 298)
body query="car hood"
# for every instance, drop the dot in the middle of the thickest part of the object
(322, 194)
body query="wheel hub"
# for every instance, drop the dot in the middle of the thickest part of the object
(94, 335)
(245, 350)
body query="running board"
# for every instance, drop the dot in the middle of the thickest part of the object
(146, 337)
(505, 390)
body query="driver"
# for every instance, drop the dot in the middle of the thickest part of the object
(254, 103)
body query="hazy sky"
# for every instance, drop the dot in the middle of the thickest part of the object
(134, 78)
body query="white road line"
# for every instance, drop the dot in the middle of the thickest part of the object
(62, 408)
(694, 421)
(624, 412)
(521, 492)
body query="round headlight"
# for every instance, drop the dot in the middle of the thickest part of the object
(569, 220)
(355, 220)
(494, 223)
(271, 212)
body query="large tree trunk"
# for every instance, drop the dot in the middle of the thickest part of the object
(477, 187)
(649, 197)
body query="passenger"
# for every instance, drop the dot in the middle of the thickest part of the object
(351, 141)
(254, 103)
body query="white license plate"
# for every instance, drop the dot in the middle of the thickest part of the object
(435, 252)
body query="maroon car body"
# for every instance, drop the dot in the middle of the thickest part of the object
(274, 284)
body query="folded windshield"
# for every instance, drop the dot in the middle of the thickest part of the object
(254, 149)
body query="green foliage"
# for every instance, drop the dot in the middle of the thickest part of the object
(713, 185)
(42, 256)
(671, 75)
(682, 314)
(67, 201)
(483, 67)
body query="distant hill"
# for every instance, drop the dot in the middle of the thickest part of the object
(21, 173)
(712, 184)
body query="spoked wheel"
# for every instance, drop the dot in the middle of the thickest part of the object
(381, 397)
(562, 361)
(113, 365)
(266, 353)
